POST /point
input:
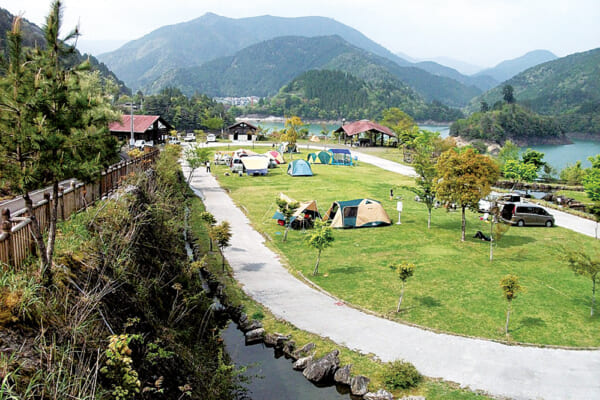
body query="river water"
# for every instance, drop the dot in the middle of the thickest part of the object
(273, 377)
(558, 156)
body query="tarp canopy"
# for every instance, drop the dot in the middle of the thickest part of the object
(275, 156)
(258, 164)
(341, 157)
(321, 157)
(244, 152)
(299, 168)
(315, 138)
(359, 213)
(304, 216)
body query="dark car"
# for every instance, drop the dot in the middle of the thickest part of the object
(522, 214)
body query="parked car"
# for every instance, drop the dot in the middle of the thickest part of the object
(174, 140)
(522, 214)
(190, 137)
(211, 138)
(237, 165)
(141, 144)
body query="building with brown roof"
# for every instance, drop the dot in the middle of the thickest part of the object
(145, 127)
(242, 131)
(366, 133)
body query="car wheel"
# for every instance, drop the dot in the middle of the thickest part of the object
(549, 224)
(521, 223)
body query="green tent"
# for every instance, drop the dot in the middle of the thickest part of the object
(322, 157)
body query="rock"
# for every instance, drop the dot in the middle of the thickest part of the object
(251, 326)
(379, 395)
(359, 385)
(288, 349)
(342, 375)
(413, 398)
(255, 336)
(323, 369)
(302, 363)
(276, 339)
(243, 318)
(305, 350)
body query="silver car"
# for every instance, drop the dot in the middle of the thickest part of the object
(522, 214)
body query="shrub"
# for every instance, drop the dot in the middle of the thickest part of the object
(258, 315)
(401, 375)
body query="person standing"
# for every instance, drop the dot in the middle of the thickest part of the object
(207, 166)
(391, 194)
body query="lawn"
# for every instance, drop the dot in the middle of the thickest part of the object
(455, 287)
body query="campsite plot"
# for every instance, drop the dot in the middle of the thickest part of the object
(455, 288)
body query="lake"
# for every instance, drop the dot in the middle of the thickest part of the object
(558, 156)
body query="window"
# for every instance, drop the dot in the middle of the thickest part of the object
(350, 212)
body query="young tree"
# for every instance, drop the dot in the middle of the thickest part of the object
(195, 157)
(533, 157)
(404, 271)
(287, 210)
(210, 220)
(424, 163)
(510, 286)
(508, 94)
(584, 265)
(518, 171)
(573, 174)
(222, 235)
(292, 128)
(320, 239)
(464, 178)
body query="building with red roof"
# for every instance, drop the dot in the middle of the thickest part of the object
(365, 133)
(145, 127)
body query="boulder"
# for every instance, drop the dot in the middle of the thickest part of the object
(254, 324)
(323, 369)
(379, 395)
(302, 363)
(276, 339)
(342, 375)
(255, 336)
(359, 385)
(305, 350)
(288, 349)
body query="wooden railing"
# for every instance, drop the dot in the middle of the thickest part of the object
(16, 240)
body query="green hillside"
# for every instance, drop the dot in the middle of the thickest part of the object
(509, 68)
(262, 69)
(568, 88)
(331, 94)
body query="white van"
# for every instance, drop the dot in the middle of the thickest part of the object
(211, 138)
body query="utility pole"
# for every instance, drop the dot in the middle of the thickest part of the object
(132, 138)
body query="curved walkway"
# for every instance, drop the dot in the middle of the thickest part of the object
(501, 370)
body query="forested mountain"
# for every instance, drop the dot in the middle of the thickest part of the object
(483, 82)
(568, 87)
(509, 68)
(263, 68)
(211, 36)
(510, 121)
(332, 94)
(32, 36)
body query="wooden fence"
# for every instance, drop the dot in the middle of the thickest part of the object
(16, 240)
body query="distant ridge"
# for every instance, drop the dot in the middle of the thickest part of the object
(509, 68)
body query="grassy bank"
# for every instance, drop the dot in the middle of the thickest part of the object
(366, 365)
(455, 287)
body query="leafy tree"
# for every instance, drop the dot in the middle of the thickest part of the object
(404, 271)
(288, 210)
(573, 174)
(292, 127)
(584, 265)
(424, 163)
(533, 157)
(222, 235)
(320, 239)
(518, 171)
(508, 94)
(591, 184)
(464, 178)
(509, 151)
(484, 106)
(213, 123)
(397, 120)
(70, 114)
(195, 157)
(510, 286)
(210, 220)
(595, 160)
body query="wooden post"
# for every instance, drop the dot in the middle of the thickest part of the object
(47, 208)
(5, 229)
(61, 200)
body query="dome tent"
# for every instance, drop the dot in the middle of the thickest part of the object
(299, 168)
(359, 213)
(321, 157)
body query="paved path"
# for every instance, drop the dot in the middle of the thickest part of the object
(501, 370)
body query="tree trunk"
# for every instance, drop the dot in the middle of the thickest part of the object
(593, 296)
(189, 179)
(222, 258)
(287, 228)
(492, 239)
(401, 296)
(37, 234)
(429, 219)
(316, 271)
(52, 226)
(507, 318)
(596, 230)
(464, 225)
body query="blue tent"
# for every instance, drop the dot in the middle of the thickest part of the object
(299, 168)
(341, 157)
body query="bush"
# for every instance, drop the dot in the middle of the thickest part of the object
(401, 375)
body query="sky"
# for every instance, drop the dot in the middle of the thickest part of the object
(478, 32)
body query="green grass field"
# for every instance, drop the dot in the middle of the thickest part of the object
(455, 287)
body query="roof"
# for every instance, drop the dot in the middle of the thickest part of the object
(242, 124)
(340, 151)
(354, 203)
(141, 123)
(364, 125)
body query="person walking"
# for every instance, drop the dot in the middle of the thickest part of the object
(207, 166)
